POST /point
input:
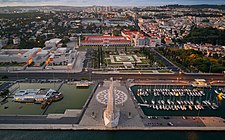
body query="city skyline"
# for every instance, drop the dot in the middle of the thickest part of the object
(106, 2)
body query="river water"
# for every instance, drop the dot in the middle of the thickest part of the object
(207, 111)
(109, 135)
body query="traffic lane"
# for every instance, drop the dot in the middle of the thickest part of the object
(83, 74)
(157, 77)
(17, 76)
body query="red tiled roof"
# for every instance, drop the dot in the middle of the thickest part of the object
(102, 39)
(134, 33)
(167, 39)
(99, 41)
(88, 38)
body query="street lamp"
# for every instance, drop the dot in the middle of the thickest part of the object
(53, 76)
(180, 72)
(17, 80)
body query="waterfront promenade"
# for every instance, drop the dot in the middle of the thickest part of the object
(93, 115)
(79, 127)
(132, 116)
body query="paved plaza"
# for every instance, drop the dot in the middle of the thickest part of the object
(129, 117)
(120, 97)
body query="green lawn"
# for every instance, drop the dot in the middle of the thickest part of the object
(140, 54)
(145, 61)
(11, 64)
(164, 71)
(88, 47)
(136, 71)
(74, 98)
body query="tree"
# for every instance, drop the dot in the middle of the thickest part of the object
(163, 41)
(99, 57)
(115, 48)
(116, 32)
(206, 35)
(5, 92)
(65, 40)
(215, 55)
(220, 60)
(82, 37)
(4, 77)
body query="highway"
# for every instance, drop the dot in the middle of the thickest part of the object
(84, 75)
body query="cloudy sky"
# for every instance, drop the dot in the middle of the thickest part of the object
(106, 2)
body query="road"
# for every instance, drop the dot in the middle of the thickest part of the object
(86, 75)
(78, 66)
(167, 63)
(208, 77)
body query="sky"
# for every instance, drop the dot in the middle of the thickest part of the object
(106, 2)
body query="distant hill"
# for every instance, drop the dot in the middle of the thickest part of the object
(71, 8)
(196, 6)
